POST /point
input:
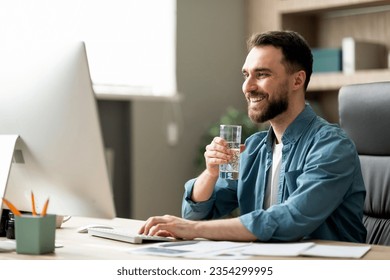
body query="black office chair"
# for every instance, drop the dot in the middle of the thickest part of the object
(364, 111)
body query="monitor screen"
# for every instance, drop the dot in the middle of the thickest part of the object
(46, 98)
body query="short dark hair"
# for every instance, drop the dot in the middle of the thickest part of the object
(295, 49)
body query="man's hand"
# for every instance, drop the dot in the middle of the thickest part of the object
(223, 229)
(217, 152)
(169, 226)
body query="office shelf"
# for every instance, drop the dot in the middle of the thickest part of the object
(335, 80)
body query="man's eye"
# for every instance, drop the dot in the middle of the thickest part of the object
(245, 76)
(262, 75)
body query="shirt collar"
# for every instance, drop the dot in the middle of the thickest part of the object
(295, 129)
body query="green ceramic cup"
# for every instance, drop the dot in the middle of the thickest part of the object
(35, 235)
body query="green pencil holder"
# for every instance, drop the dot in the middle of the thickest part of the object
(35, 235)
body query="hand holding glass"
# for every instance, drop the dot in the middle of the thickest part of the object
(232, 135)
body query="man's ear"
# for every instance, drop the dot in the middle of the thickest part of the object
(299, 79)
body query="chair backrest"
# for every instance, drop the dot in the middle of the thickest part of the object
(364, 111)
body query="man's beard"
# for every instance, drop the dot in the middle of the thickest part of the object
(273, 108)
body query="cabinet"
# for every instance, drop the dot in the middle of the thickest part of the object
(324, 23)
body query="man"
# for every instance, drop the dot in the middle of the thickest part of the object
(300, 180)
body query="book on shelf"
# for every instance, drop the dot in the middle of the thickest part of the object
(326, 60)
(361, 55)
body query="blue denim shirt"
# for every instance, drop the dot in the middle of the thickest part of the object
(321, 189)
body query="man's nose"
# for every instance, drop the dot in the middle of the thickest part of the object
(249, 85)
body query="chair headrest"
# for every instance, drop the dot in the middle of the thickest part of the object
(364, 111)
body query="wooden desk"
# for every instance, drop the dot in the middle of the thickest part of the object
(79, 246)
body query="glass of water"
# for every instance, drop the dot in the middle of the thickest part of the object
(232, 135)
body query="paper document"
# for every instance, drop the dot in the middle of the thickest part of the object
(335, 251)
(193, 249)
(277, 249)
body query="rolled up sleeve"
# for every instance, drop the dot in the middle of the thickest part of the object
(222, 201)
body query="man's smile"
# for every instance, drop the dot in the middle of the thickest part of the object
(255, 98)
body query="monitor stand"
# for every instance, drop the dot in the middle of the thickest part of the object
(7, 147)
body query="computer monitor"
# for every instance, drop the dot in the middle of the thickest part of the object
(46, 98)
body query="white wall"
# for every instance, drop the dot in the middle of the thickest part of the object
(211, 50)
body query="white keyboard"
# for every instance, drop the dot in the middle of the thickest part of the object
(122, 235)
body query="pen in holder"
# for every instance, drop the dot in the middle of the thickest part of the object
(35, 235)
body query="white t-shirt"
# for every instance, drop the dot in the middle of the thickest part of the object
(271, 194)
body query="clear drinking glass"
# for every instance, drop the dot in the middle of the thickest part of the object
(232, 135)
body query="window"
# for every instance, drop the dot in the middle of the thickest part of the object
(131, 44)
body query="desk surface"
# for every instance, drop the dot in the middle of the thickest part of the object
(79, 246)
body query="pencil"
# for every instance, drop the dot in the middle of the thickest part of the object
(44, 210)
(34, 212)
(11, 207)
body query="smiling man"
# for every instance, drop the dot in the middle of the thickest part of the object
(301, 179)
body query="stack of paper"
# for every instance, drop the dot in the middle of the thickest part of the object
(239, 250)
